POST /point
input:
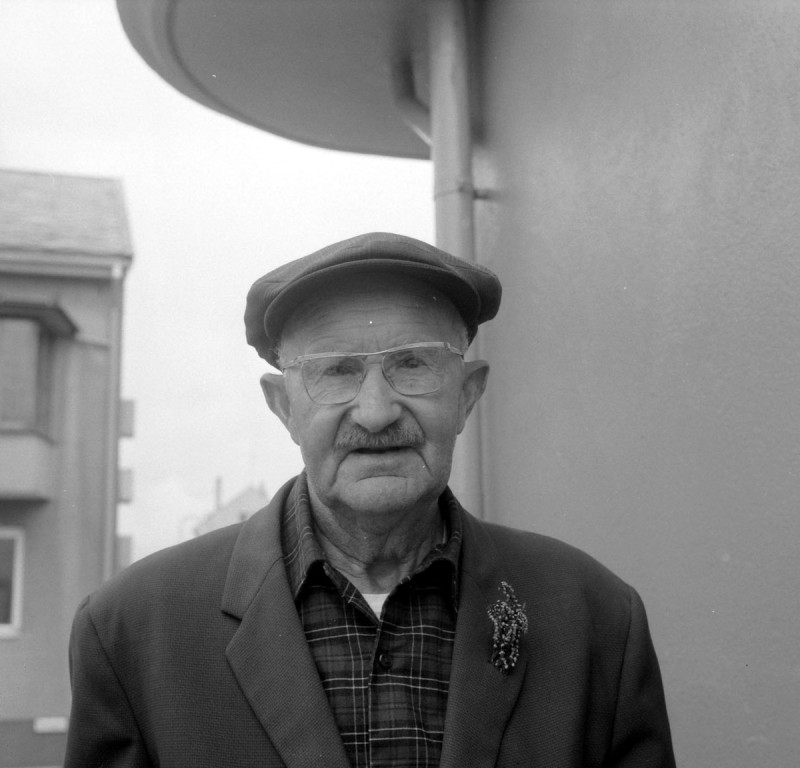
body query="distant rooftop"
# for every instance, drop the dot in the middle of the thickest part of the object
(52, 212)
(237, 510)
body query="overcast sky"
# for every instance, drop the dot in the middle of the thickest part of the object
(212, 204)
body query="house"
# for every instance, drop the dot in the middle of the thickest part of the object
(236, 510)
(64, 254)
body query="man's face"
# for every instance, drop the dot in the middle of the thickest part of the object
(350, 468)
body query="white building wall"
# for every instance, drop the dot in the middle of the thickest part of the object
(643, 169)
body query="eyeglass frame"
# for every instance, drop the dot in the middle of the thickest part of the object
(300, 359)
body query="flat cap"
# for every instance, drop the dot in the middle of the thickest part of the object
(474, 290)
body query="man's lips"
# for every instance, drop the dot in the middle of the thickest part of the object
(381, 461)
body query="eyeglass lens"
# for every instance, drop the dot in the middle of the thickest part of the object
(336, 379)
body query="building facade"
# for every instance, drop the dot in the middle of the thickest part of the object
(64, 253)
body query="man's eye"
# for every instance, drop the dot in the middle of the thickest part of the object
(411, 361)
(339, 367)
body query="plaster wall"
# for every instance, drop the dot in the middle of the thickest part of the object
(642, 164)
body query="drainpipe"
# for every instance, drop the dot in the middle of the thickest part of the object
(451, 140)
(446, 127)
(112, 436)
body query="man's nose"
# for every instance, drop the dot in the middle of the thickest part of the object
(376, 404)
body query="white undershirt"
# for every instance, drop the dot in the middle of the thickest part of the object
(376, 601)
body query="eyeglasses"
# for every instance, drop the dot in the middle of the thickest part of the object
(413, 369)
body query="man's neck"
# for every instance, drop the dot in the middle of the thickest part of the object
(375, 554)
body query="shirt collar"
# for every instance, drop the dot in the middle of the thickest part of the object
(301, 549)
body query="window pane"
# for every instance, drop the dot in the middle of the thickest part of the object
(19, 353)
(6, 578)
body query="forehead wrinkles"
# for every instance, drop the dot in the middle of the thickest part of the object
(405, 303)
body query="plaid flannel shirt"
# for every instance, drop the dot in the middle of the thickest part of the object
(386, 678)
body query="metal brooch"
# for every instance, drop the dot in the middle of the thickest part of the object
(510, 624)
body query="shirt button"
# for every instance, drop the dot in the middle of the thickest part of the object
(385, 660)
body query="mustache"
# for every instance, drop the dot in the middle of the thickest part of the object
(353, 437)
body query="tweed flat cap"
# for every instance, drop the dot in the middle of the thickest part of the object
(474, 290)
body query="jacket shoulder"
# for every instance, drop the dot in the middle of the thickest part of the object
(174, 575)
(537, 563)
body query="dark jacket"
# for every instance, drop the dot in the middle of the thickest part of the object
(195, 657)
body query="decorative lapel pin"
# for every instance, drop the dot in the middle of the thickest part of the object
(510, 624)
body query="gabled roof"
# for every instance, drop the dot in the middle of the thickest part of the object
(68, 214)
(315, 71)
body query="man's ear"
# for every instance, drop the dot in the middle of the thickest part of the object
(273, 385)
(476, 374)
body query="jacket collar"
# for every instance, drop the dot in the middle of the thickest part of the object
(269, 655)
(481, 697)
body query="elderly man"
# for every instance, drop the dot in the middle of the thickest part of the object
(364, 618)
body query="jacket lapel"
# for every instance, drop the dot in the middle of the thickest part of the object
(269, 655)
(481, 697)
